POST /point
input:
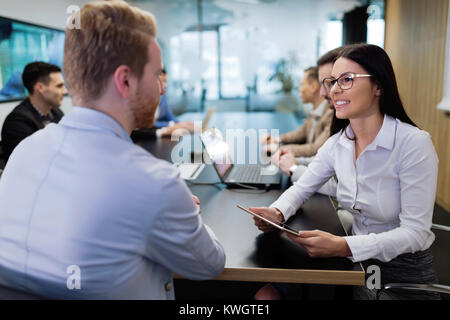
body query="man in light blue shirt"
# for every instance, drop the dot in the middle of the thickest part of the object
(85, 213)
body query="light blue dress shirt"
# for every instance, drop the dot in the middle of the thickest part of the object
(80, 194)
(390, 189)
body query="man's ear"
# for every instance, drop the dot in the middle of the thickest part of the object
(38, 87)
(122, 78)
(316, 86)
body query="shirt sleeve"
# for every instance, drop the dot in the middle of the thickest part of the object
(179, 240)
(161, 124)
(317, 173)
(309, 149)
(418, 169)
(296, 136)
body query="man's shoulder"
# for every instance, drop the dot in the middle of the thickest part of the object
(20, 118)
(146, 167)
(146, 175)
(57, 113)
(328, 113)
(21, 111)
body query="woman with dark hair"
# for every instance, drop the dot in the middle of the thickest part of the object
(387, 174)
(382, 73)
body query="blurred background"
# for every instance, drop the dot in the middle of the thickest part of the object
(250, 54)
(233, 54)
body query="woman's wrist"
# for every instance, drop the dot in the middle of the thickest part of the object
(344, 248)
(280, 215)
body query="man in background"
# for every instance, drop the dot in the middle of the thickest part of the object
(288, 161)
(46, 89)
(305, 141)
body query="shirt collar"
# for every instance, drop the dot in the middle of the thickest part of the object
(318, 112)
(385, 137)
(36, 109)
(90, 119)
(49, 115)
(345, 138)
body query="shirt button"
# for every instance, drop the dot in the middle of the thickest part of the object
(168, 286)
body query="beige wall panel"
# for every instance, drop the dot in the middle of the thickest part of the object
(415, 41)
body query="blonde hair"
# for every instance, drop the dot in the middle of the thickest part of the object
(111, 33)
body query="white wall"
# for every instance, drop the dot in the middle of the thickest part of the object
(51, 13)
(301, 19)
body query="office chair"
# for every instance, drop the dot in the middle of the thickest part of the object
(415, 287)
(439, 288)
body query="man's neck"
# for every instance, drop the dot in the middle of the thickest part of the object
(43, 107)
(317, 101)
(112, 110)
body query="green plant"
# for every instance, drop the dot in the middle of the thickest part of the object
(283, 73)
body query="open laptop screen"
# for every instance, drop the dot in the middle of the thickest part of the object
(217, 150)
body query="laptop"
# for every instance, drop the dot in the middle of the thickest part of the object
(190, 171)
(252, 176)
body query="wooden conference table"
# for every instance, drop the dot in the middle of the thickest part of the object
(250, 254)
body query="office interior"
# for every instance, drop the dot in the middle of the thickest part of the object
(248, 56)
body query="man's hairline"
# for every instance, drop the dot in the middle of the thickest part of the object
(321, 66)
(48, 79)
(310, 79)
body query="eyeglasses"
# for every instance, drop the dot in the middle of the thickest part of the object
(345, 81)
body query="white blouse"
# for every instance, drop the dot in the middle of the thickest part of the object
(390, 189)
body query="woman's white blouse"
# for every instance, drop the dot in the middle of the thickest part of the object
(390, 189)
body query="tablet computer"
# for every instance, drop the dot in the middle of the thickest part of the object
(282, 226)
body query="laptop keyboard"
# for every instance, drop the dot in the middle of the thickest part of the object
(245, 174)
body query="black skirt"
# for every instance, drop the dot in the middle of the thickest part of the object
(407, 268)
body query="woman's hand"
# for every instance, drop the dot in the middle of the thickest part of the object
(321, 244)
(269, 213)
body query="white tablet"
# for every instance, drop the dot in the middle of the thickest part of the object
(283, 226)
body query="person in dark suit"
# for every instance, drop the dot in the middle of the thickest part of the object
(46, 89)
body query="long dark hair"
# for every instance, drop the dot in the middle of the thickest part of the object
(377, 63)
